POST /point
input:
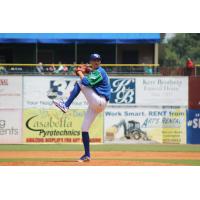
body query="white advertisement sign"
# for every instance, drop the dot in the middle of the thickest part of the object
(10, 126)
(162, 91)
(39, 92)
(125, 91)
(145, 125)
(149, 91)
(10, 92)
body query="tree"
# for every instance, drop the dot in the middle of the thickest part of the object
(176, 50)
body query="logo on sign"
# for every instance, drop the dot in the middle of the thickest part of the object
(57, 88)
(122, 91)
(4, 130)
(48, 126)
(195, 122)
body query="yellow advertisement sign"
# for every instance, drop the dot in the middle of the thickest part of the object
(145, 125)
(52, 126)
(174, 127)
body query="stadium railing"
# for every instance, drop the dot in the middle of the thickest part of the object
(113, 69)
(197, 69)
(68, 69)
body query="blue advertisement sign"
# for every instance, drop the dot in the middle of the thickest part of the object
(122, 91)
(193, 126)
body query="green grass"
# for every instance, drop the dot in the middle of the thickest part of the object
(165, 161)
(102, 147)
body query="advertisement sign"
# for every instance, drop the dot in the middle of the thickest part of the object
(10, 126)
(122, 91)
(10, 92)
(193, 126)
(125, 91)
(40, 91)
(163, 91)
(145, 125)
(194, 94)
(149, 91)
(52, 126)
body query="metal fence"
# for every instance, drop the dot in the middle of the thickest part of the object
(68, 69)
(112, 69)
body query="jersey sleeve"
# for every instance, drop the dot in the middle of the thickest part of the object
(92, 79)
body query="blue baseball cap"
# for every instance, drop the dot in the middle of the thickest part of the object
(95, 56)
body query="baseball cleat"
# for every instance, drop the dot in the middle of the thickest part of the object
(84, 158)
(61, 105)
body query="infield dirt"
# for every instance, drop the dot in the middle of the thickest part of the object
(112, 158)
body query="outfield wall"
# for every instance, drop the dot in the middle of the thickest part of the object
(141, 110)
(11, 109)
(193, 113)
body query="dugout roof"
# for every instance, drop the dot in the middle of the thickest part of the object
(66, 38)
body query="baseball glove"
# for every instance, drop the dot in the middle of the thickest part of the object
(85, 69)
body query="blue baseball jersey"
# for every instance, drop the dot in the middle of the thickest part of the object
(98, 80)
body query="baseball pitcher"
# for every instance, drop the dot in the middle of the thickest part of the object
(95, 85)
